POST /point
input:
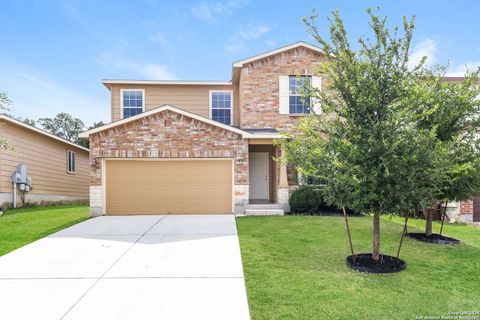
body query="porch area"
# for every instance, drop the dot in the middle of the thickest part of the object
(268, 180)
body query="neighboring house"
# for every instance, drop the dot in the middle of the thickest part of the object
(202, 146)
(58, 168)
(468, 211)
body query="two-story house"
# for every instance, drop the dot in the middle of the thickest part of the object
(202, 146)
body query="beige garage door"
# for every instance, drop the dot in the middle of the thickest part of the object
(164, 187)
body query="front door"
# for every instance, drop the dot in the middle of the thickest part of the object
(258, 175)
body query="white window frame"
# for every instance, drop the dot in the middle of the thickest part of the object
(121, 100)
(297, 95)
(71, 155)
(210, 94)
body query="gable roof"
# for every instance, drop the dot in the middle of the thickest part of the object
(40, 131)
(114, 124)
(240, 63)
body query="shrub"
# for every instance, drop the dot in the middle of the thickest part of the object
(309, 199)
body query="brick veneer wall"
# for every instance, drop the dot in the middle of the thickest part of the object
(466, 207)
(169, 135)
(258, 87)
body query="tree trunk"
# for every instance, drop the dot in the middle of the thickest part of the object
(376, 237)
(428, 221)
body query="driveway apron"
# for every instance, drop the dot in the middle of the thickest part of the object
(128, 267)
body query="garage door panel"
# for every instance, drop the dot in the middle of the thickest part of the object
(162, 187)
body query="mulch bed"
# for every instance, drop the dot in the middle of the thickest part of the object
(434, 238)
(386, 264)
(333, 213)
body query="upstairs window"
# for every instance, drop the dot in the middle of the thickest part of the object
(133, 102)
(298, 103)
(71, 165)
(221, 106)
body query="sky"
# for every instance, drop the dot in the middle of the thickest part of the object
(54, 54)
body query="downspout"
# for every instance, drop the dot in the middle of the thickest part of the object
(14, 192)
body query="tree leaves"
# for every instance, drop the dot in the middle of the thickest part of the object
(384, 143)
(64, 126)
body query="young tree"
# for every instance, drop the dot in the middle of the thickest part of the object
(64, 126)
(365, 143)
(452, 110)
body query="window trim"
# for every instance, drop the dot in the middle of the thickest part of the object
(210, 93)
(121, 99)
(310, 109)
(69, 152)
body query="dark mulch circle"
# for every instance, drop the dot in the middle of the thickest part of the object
(434, 238)
(386, 264)
(332, 213)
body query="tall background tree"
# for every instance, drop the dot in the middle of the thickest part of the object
(67, 127)
(63, 125)
(5, 104)
(28, 121)
(366, 143)
(84, 142)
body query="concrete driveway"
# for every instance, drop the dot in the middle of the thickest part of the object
(133, 267)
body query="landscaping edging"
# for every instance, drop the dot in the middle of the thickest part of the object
(364, 263)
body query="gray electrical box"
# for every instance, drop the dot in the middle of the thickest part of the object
(21, 179)
(22, 182)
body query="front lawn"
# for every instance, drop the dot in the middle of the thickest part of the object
(19, 227)
(295, 269)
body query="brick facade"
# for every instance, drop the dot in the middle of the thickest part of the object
(258, 87)
(466, 207)
(169, 135)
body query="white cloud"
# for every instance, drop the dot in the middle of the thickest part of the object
(36, 94)
(158, 38)
(236, 47)
(250, 31)
(149, 71)
(208, 11)
(426, 48)
(238, 43)
(155, 71)
(460, 70)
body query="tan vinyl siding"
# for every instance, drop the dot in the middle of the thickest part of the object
(192, 98)
(46, 161)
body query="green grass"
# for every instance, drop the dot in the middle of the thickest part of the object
(295, 269)
(19, 227)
